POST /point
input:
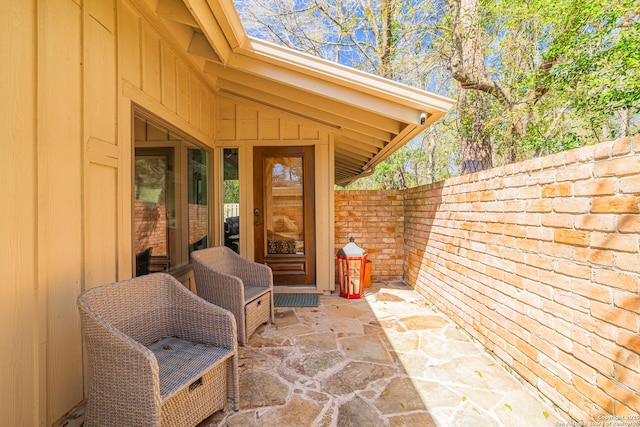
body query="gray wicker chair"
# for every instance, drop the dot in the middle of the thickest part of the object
(243, 287)
(158, 354)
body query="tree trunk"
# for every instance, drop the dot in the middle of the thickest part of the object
(519, 115)
(469, 59)
(475, 144)
(624, 124)
(430, 149)
(386, 37)
(467, 67)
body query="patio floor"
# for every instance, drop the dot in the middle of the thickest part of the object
(388, 359)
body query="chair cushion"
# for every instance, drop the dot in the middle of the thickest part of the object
(182, 362)
(253, 292)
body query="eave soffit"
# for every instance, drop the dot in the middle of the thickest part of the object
(370, 116)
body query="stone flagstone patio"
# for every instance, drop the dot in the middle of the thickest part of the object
(388, 359)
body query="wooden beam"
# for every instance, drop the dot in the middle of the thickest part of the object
(200, 46)
(349, 95)
(200, 10)
(354, 154)
(372, 144)
(175, 10)
(336, 123)
(248, 83)
(229, 21)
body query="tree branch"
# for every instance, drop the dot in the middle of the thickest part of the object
(467, 57)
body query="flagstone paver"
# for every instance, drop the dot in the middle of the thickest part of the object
(388, 359)
(311, 365)
(258, 389)
(297, 412)
(424, 322)
(322, 341)
(389, 403)
(358, 412)
(367, 348)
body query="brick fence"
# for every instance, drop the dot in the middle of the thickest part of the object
(540, 262)
(375, 219)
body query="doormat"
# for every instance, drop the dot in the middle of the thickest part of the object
(295, 300)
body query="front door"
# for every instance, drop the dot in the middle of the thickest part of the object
(284, 213)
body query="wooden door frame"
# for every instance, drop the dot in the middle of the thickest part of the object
(282, 275)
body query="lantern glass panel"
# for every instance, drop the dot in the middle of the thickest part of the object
(351, 275)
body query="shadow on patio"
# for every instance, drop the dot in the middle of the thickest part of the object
(387, 359)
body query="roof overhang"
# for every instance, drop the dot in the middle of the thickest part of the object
(369, 116)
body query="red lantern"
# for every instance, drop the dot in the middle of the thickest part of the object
(352, 260)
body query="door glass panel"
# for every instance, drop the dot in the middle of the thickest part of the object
(284, 206)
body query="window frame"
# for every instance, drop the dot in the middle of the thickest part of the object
(180, 141)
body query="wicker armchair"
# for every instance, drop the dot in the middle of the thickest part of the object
(243, 287)
(158, 354)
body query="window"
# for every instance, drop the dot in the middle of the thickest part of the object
(231, 195)
(171, 197)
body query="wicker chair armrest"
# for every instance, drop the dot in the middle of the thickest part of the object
(99, 329)
(216, 286)
(113, 356)
(201, 321)
(254, 274)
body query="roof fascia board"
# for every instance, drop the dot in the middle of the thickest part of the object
(229, 21)
(340, 92)
(338, 73)
(221, 25)
(211, 29)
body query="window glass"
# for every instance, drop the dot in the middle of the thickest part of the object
(171, 198)
(198, 199)
(231, 202)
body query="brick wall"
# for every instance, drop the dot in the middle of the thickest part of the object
(540, 262)
(150, 227)
(375, 219)
(198, 222)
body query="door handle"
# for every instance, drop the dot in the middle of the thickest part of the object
(256, 212)
(257, 223)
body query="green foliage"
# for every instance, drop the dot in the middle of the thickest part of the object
(431, 157)
(602, 65)
(231, 191)
(567, 71)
